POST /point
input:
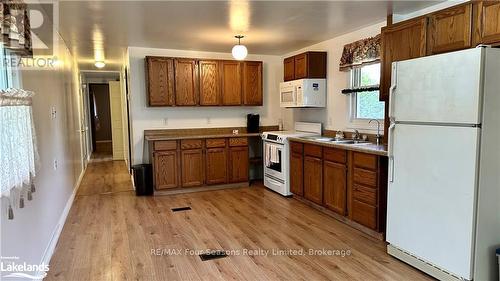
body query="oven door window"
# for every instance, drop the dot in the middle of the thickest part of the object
(276, 166)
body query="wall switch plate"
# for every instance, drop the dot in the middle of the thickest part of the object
(209, 120)
(165, 121)
(55, 164)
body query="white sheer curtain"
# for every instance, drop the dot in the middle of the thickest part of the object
(18, 152)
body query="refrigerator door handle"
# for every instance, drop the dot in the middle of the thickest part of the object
(390, 152)
(392, 89)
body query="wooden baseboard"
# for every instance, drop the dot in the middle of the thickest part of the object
(182, 190)
(346, 220)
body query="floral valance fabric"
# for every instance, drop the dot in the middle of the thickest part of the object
(361, 52)
(15, 27)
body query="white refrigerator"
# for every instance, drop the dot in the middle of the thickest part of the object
(443, 205)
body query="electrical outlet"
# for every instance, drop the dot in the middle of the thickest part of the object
(209, 120)
(55, 164)
(165, 121)
(53, 112)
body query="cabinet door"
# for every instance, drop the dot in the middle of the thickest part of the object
(238, 164)
(192, 167)
(301, 66)
(335, 186)
(450, 29)
(401, 41)
(487, 23)
(166, 169)
(297, 173)
(252, 83)
(289, 69)
(186, 88)
(209, 83)
(313, 179)
(160, 81)
(231, 83)
(216, 165)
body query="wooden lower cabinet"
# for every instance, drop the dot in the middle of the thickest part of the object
(216, 161)
(166, 169)
(297, 173)
(238, 164)
(192, 167)
(313, 179)
(335, 186)
(351, 184)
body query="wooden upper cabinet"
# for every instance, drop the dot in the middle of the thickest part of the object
(252, 83)
(209, 83)
(166, 169)
(216, 163)
(160, 81)
(186, 82)
(238, 164)
(487, 22)
(192, 167)
(401, 41)
(289, 69)
(305, 65)
(301, 66)
(231, 82)
(450, 29)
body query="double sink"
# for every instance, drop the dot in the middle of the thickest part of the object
(336, 141)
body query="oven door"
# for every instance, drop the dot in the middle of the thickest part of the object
(274, 169)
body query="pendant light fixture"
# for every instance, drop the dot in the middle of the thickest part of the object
(239, 51)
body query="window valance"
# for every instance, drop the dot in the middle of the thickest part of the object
(15, 27)
(361, 52)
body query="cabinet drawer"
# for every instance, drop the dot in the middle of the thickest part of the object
(335, 155)
(238, 142)
(364, 214)
(366, 161)
(364, 194)
(365, 177)
(215, 143)
(165, 145)
(296, 147)
(190, 144)
(313, 150)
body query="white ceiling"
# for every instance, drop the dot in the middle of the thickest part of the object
(106, 28)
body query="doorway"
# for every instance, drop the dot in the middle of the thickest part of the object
(100, 120)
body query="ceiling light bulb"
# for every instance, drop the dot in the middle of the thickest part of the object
(99, 64)
(239, 51)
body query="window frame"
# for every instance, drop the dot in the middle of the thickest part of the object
(355, 82)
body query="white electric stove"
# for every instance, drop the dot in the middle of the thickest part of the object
(277, 171)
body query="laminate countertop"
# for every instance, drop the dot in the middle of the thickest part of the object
(161, 137)
(370, 148)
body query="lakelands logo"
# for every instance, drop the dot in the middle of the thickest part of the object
(11, 267)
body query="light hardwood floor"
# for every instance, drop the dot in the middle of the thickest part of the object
(110, 234)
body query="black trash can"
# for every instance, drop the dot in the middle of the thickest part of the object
(143, 179)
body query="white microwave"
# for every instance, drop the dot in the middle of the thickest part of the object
(303, 93)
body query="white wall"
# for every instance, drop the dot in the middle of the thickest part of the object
(143, 117)
(336, 116)
(443, 5)
(30, 234)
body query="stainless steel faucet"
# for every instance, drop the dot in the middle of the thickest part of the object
(378, 136)
(356, 135)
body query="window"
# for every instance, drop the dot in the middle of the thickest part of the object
(366, 105)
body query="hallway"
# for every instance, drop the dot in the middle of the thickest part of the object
(111, 234)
